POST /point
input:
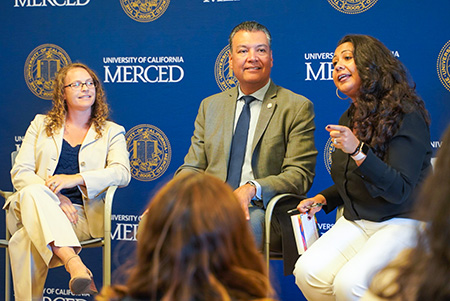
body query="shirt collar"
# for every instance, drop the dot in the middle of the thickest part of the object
(259, 95)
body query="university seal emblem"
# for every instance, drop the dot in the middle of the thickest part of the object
(41, 67)
(224, 75)
(352, 6)
(144, 10)
(443, 65)
(329, 149)
(150, 152)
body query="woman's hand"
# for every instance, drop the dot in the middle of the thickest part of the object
(58, 182)
(309, 205)
(343, 138)
(68, 208)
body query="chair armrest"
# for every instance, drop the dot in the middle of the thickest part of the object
(108, 207)
(268, 218)
(6, 194)
(339, 212)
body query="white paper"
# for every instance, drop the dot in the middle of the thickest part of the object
(305, 231)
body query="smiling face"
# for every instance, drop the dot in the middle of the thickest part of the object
(345, 75)
(251, 60)
(82, 98)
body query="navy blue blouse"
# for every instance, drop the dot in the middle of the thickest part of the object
(68, 165)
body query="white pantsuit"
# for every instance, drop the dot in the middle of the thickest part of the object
(341, 264)
(34, 217)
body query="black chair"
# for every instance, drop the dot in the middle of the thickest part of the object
(279, 205)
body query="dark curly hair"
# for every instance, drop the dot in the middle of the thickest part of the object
(387, 93)
(57, 114)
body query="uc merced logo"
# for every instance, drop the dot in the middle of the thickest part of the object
(144, 10)
(329, 149)
(224, 75)
(41, 67)
(443, 65)
(352, 6)
(150, 152)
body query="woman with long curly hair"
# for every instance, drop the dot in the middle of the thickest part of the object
(66, 161)
(99, 110)
(382, 155)
(191, 247)
(423, 272)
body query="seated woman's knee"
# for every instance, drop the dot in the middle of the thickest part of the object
(349, 285)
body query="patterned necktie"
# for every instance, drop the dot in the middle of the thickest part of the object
(239, 145)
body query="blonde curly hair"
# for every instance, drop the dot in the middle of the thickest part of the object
(56, 116)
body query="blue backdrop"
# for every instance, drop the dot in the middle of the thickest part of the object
(158, 59)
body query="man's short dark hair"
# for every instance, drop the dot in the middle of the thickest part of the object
(250, 26)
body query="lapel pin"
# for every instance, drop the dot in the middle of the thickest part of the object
(269, 105)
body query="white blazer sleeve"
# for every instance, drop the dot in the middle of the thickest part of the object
(23, 172)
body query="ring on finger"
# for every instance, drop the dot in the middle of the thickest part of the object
(335, 141)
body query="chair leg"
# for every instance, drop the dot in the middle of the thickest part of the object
(7, 276)
(107, 261)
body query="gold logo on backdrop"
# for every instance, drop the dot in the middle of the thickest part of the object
(329, 149)
(224, 75)
(443, 65)
(41, 67)
(150, 152)
(144, 10)
(352, 6)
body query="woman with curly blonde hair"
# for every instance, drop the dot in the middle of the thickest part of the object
(57, 115)
(194, 245)
(67, 160)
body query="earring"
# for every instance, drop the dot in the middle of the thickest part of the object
(337, 93)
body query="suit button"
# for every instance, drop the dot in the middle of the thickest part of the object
(83, 163)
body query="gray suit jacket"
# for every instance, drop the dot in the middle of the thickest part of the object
(283, 151)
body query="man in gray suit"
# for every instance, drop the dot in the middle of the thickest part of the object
(280, 155)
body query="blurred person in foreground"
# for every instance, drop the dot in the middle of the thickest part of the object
(67, 160)
(382, 155)
(191, 250)
(423, 272)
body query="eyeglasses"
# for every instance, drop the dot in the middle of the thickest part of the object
(78, 85)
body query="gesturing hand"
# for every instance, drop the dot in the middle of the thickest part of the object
(343, 138)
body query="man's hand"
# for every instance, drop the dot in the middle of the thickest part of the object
(244, 194)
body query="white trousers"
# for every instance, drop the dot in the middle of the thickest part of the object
(341, 264)
(35, 220)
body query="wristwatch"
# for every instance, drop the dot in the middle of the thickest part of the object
(364, 148)
(251, 183)
(356, 149)
(362, 152)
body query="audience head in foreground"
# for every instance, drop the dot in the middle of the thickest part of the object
(191, 247)
(423, 272)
